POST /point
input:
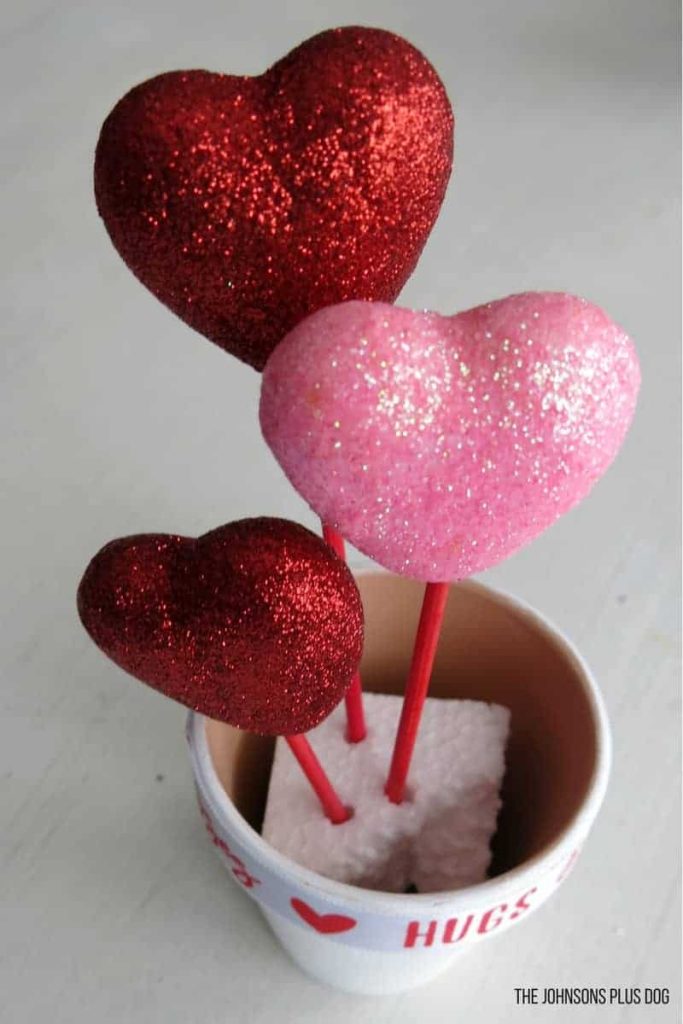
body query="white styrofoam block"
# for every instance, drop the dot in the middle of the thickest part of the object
(438, 839)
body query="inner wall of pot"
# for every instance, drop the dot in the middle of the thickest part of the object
(488, 651)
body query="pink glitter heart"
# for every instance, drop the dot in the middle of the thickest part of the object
(441, 445)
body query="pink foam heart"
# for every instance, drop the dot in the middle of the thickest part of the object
(326, 924)
(441, 445)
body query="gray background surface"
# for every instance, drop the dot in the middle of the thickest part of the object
(116, 418)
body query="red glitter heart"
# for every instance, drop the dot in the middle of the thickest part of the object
(326, 924)
(245, 204)
(257, 623)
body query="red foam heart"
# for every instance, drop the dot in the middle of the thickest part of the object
(246, 203)
(327, 924)
(257, 623)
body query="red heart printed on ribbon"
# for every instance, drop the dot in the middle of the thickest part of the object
(326, 924)
(257, 623)
(246, 203)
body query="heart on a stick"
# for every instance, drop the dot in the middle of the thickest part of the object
(441, 445)
(257, 623)
(246, 203)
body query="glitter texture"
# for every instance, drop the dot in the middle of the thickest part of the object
(257, 623)
(439, 446)
(244, 204)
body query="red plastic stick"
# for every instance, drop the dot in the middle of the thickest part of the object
(313, 770)
(355, 716)
(335, 540)
(426, 641)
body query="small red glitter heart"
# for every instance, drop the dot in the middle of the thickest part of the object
(257, 623)
(246, 203)
(326, 924)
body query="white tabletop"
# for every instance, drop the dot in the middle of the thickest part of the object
(116, 419)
